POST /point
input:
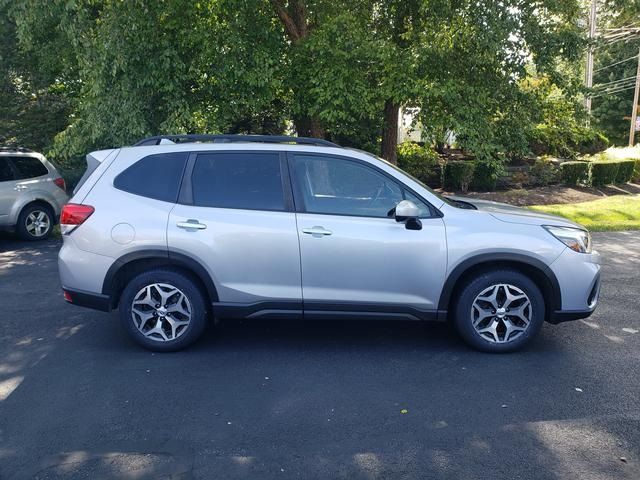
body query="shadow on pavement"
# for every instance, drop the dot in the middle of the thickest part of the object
(284, 399)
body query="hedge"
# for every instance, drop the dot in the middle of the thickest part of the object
(636, 172)
(604, 173)
(457, 175)
(420, 162)
(486, 175)
(575, 173)
(625, 171)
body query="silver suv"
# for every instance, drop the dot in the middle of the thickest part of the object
(32, 193)
(181, 228)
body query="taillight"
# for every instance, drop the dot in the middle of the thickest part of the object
(73, 215)
(60, 183)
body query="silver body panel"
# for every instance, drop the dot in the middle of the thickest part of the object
(263, 256)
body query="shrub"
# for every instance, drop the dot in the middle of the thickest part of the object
(604, 173)
(636, 172)
(589, 141)
(625, 171)
(543, 172)
(486, 174)
(458, 175)
(575, 173)
(566, 141)
(420, 162)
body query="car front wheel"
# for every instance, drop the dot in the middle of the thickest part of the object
(499, 311)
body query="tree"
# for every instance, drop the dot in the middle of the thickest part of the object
(609, 109)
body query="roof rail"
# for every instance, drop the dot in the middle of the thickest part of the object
(190, 138)
(6, 148)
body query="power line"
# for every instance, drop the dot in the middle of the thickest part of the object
(614, 64)
(613, 91)
(600, 85)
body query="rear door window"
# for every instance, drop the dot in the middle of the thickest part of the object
(28, 167)
(6, 173)
(156, 176)
(244, 180)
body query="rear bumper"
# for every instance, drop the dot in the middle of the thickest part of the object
(97, 301)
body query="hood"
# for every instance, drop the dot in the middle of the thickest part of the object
(511, 214)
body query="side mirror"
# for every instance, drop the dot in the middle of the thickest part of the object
(408, 213)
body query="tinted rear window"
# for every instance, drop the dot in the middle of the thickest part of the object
(29, 167)
(155, 176)
(6, 173)
(249, 181)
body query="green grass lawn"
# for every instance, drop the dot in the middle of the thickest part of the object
(621, 212)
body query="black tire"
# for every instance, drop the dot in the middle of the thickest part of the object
(183, 337)
(475, 286)
(22, 229)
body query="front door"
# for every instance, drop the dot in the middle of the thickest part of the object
(355, 256)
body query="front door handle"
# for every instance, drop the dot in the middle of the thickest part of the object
(317, 231)
(191, 224)
(19, 188)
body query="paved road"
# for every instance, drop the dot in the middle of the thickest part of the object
(289, 400)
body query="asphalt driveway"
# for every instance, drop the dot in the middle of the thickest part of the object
(322, 400)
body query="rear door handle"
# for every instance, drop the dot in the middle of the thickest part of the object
(191, 224)
(19, 188)
(317, 231)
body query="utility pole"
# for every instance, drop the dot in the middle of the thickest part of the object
(588, 74)
(634, 109)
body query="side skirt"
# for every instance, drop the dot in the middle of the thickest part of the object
(325, 311)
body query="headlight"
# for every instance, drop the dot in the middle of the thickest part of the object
(574, 238)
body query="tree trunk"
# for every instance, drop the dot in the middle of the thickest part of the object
(293, 15)
(309, 127)
(390, 132)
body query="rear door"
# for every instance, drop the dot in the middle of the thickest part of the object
(235, 215)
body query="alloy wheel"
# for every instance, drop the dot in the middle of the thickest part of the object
(38, 223)
(501, 313)
(161, 312)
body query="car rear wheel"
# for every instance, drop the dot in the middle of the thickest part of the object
(35, 222)
(499, 311)
(163, 310)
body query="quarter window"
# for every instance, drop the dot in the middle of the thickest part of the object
(156, 176)
(29, 167)
(6, 173)
(243, 180)
(341, 187)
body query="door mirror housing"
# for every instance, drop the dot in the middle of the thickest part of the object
(408, 213)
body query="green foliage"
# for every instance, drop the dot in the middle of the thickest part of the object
(610, 109)
(625, 171)
(575, 173)
(486, 174)
(457, 175)
(636, 172)
(107, 73)
(544, 172)
(604, 173)
(421, 162)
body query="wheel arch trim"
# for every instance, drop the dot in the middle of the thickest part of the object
(164, 257)
(451, 283)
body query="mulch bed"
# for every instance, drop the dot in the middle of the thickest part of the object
(553, 194)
